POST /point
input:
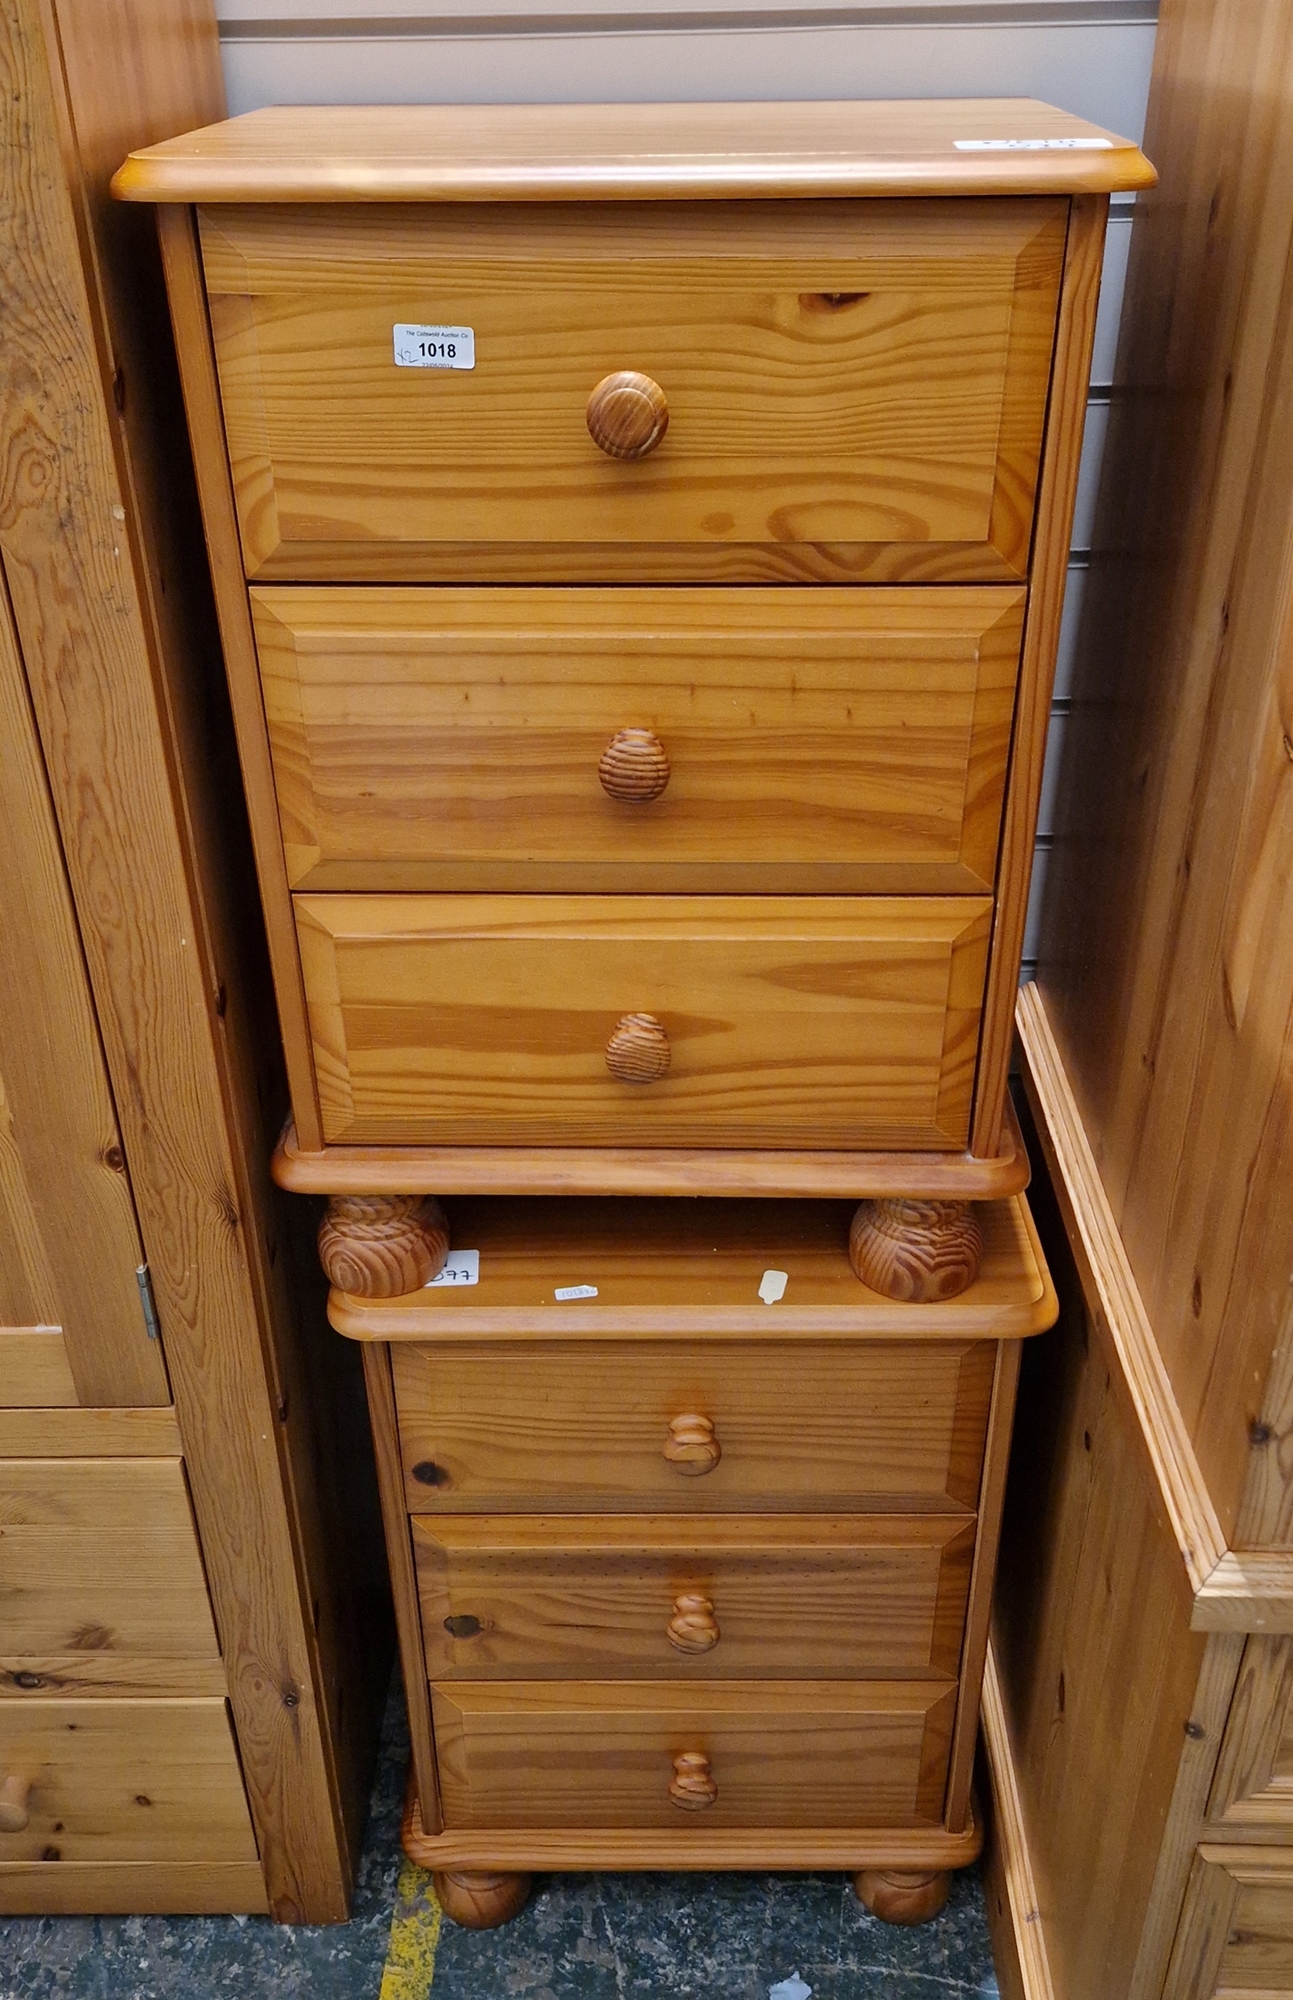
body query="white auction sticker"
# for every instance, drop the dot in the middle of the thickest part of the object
(435, 347)
(575, 1292)
(461, 1267)
(772, 1287)
(1032, 145)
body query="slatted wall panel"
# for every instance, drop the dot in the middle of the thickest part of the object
(1090, 56)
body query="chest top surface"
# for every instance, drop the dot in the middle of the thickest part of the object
(544, 152)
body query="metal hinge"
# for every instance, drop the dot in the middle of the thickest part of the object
(147, 1301)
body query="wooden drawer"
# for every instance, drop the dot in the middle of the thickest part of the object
(602, 1754)
(100, 1556)
(815, 740)
(1236, 1930)
(709, 1599)
(486, 1020)
(800, 1425)
(854, 388)
(125, 1781)
(1253, 1783)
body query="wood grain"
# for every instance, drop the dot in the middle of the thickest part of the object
(77, 1433)
(542, 1427)
(69, 1245)
(110, 1675)
(457, 1019)
(1175, 1018)
(1066, 414)
(811, 739)
(601, 1753)
(838, 374)
(1119, 1314)
(916, 1250)
(1020, 1953)
(597, 152)
(651, 1170)
(1252, 1791)
(991, 1505)
(404, 1584)
(1236, 1936)
(698, 1847)
(558, 1598)
(187, 300)
(126, 1781)
(690, 1269)
(131, 1888)
(34, 1369)
(627, 414)
(103, 565)
(1114, 1708)
(100, 1555)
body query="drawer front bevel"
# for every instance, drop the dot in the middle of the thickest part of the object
(487, 1020)
(858, 387)
(801, 1426)
(604, 1754)
(698, 1598)
(814, 740)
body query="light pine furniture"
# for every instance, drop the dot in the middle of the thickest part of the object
(189, 1701)
(683, 1578)
(641, 713)
(1140, 1718)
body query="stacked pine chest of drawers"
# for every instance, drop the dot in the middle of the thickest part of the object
(639, 537)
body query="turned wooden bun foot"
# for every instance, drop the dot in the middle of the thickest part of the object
(380, 1246)
(478, 1901)
(916, 1251)
(902, 1895)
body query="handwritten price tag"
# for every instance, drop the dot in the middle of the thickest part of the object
(462, 1267)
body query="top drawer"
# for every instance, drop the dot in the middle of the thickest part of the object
(854, 389)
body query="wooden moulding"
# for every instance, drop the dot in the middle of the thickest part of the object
(597, 152)
(1235, 1590)
(693, 1847)
(651, 1170)
(694, 1269)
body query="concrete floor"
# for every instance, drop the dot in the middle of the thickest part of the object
(583, 1937)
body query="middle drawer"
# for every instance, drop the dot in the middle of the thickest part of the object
(847, 740)
(633, 1595)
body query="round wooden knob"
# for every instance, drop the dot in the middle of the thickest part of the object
(691, 1446)
(627, 414)
(693, 1627)
(692, 1785)
(634, 767)
(14, 1793)
(638, 1051)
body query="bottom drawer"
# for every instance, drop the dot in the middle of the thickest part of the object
(122, 1781)
(610, 1754)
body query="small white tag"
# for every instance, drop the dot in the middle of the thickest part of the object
(790, 1989)
(462, 1267)
(772, 1286)
(575, 1292)
(435, 347)
(1032, 145)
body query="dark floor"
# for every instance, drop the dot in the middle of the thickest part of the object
(583, 1937)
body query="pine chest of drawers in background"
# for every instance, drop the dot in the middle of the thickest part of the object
(639, 536)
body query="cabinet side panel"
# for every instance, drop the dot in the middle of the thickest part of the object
(1099, 1672)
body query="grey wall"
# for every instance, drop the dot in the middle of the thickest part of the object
(1090, 56)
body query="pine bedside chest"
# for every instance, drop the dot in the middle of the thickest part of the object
(639, 537)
